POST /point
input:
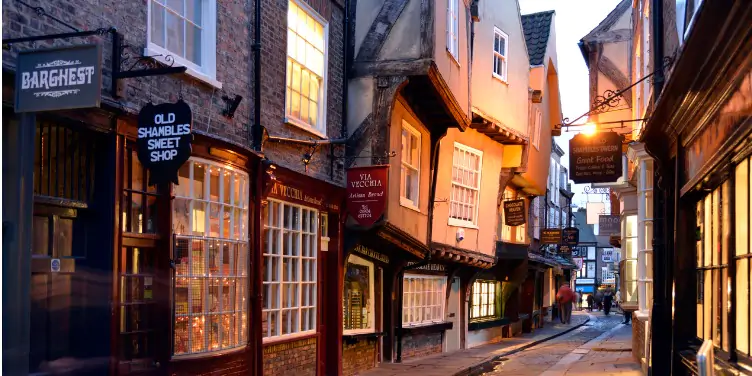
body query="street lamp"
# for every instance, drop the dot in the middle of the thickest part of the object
(589, 129)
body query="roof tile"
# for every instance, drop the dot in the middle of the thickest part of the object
(537, 28)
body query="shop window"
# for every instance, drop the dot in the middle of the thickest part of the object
(629, 230)
(139, 206)
(291, 242)
(422, 299)
(410, 171)
(63, 162)
(466, 171)
(483, 304)
(210, 219)
(306, 68)
(743, 257)
(358, 300)
(712, 267)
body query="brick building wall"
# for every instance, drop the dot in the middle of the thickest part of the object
(358, 357)
(235, 365)
(638, 338)
(296, 358)
(420, 345)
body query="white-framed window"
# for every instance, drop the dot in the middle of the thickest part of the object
(504, 232)
(305, 96)
(358, 299)
(290, 248)
(466, 173)
(521, 232)
(410, 171)
(185, 30)
(483, 301)
(500, 54)
(210, 216)
(453, 29)
(422, 299)
(536, 128)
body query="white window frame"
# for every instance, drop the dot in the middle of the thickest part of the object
(501, 56)
(404, 201)
(189, 274)
(207, 71)
(274, 305)
(459, 222)
(491, 300)
(453, 29)
(320, 129)
(414, 302)
(538, 121)
(353, 259)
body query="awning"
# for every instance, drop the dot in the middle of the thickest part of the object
(511, 251)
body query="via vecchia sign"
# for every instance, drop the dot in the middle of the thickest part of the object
(164, 140)
(366, 193)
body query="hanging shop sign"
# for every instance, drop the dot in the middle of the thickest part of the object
(164, 140)
(514, 213)
(608, 255)
(59, 78)
(571, 236)
(564, 250)
(366, 193)
(609, 224)
(551, 236)
(578, 261)
(596, 158)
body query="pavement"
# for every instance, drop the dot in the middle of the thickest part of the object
(474, 361)
(593, 344)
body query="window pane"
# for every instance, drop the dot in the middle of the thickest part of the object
(193, 11)
(157, 24)
(175, 36)
(742, 306)
(742, 213)
(193, 43)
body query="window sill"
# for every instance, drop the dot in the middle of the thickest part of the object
(288, 338)
(406, 203)
(304, 127)
(428, 328)
(190, 71)
(353, 338)
(459, 223)
(488, 323)
(207, 355)
(455, 59)
(502, 79)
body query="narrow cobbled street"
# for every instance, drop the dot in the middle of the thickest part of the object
(601, 346)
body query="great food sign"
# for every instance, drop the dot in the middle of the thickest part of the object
(58, 78)
(164, 140)
(366, 193)
(595, 158)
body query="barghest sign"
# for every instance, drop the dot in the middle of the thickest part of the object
(59, 78)
(367, 193)
(596, 158)
(514, 212)
(164, 140)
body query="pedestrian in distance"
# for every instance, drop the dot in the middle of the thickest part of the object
(579, 300)
(608, 299)
(590, 301)
(565, 297)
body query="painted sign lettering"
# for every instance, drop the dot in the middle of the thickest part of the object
(609, 224)
(571, 236)
(366, 193)
(596, 158)
(551, 236)
(164, 139)
(365, 251)
(514, 212)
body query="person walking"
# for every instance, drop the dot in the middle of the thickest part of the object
(607, 301)
(565, 297)
(617, 299)
(580, 297)
(590, 301)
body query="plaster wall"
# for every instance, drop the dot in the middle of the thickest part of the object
(455, 72)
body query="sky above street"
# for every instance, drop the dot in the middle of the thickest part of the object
(574, 19)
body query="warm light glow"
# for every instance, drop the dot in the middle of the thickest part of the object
(589, 129)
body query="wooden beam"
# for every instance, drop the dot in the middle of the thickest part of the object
(427, 40)
(615, 75)
(412, 67)
(380, 29)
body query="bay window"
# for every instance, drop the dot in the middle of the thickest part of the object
(423, 299)
(358, 299)
(629, 243)
(739, 289)
(210, 216)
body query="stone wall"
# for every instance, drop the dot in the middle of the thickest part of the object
(358, 357)
(296, 358)
(420, 345)
(638, 337)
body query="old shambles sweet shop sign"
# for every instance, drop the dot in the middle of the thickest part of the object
(164, 140)
(366, 193)
(58, 78)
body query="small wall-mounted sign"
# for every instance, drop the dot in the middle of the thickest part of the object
(571, 236)
(367, 193)
(515, 213)
(59, 78)
(55, 265)
(164, 140)
(595, 158)
(551, 236)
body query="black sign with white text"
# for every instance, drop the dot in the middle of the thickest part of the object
(514, 213)
(571, 236)
(164, 140)
(595, 158)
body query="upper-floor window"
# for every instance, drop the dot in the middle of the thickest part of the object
(466, 171)
(186, 31)
(410, 172)
(305, 103)
(501, 51)
(535, 137)
(453, 28)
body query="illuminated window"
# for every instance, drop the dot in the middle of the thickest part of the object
(422, 299)
(466, 171)
(291, 240)
(306, 68)
(501, 51)
(358, 300)
(210, 216)
(739, 289)
(629, 244)
(453, 29)
(483, 303)
(410, 172)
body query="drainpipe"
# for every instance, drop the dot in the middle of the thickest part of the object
(256, 337)
(256, 132)
(345, 70)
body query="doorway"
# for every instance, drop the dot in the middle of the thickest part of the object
(454, 314)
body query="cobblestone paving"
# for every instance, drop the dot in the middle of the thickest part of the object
(539, 359)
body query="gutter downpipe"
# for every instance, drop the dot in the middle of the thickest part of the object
(256, 134)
